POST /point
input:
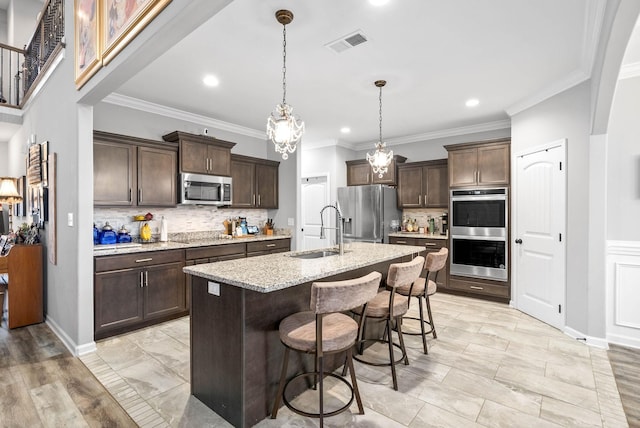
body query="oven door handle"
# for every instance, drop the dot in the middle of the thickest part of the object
(480, 238)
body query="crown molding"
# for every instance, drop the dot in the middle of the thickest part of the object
(573, 79)
(628, 71)
(149, 107)
(444, 133)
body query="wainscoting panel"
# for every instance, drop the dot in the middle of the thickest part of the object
(623, 293)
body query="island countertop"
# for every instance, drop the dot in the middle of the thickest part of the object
(278, 271)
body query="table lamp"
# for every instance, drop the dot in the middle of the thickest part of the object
(9, 195)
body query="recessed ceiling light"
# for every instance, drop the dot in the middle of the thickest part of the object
(211, 80)
(345, 130)
(378, 2)
(472, 102)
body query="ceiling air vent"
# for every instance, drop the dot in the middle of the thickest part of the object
(347, 42)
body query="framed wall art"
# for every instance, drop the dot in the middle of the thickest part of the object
(122, 20)
(87, 40)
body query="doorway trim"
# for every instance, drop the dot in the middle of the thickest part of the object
(325, 175)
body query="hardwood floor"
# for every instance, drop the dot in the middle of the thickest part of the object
(625, 363)
(43, 385)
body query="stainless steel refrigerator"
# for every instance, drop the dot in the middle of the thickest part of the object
(368, 212)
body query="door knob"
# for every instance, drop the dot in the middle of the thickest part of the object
(518, 241)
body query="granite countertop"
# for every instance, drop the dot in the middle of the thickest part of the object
(274, 272)
(115, 249)
(418, 235)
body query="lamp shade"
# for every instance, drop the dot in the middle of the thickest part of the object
(9, 191)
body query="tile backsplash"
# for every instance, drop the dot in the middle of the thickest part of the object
(422, 215)
(181, 219)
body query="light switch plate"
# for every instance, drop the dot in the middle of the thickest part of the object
(70, 219)
(213, 288)
(290, 221)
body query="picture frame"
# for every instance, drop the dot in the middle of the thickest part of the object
(34, 172)
(88, 59)
(44, 170)
(122, 20)
(19, 209)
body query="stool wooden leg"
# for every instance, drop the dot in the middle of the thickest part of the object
(354, 382)
(283, 376)
(433, 326)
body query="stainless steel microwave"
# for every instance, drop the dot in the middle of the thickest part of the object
(199, 189)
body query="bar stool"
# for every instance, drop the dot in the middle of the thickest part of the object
(324, 330)
(388, 306)
(422, 288)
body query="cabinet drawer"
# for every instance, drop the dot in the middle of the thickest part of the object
(402, 240)
(270, 245)
(127, 261)
(214, 251)
(476, 287)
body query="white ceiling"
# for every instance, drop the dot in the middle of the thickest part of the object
(433, 54)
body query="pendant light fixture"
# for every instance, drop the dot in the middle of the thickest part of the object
(283, 128)
(381, 158)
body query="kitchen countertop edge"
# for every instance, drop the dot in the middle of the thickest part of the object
(418, 235)
(176, 245)
(278, 271)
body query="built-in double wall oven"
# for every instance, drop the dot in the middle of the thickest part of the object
(479, 233)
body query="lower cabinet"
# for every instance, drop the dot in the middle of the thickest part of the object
(431, 246)
(137, 290)
(480, 287)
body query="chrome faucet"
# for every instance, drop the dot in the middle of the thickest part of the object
(339, 226)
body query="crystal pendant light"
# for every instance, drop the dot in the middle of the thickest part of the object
(381, 158)
(283, 128)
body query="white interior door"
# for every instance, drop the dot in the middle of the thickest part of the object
(539, 249)
(315, 195)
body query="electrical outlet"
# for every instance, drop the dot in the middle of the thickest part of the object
(213, 288)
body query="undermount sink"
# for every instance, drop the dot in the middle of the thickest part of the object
(316, 254)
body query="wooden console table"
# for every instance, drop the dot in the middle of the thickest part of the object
(24, 267)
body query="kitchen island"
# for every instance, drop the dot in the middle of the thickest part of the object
(237, 305)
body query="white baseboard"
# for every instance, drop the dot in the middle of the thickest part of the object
(596, 342)
(76, 350)
(626, 341)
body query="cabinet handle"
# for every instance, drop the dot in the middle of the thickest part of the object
(146, 278)
(419, 199)
(254, 199)
(129, 194)
(141, 279)
(475, 287)
(259, 200)
(401, 242)
(478, 176)
(271, 245)
(139, 195)
(430, 244)
(148, 259)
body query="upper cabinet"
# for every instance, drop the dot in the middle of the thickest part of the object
(129, 171)
(479, 164)
(359, 173)
(255, 182)
(200, 154)
(423, 184)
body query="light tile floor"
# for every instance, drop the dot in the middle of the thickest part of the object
(491, 366)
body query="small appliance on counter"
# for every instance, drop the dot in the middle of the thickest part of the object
(445, 224)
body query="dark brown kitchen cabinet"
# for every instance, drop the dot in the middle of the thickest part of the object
(136, 290)
(432, 246)
(423, 184)
(255, 182)
(271, 246)
(479, 164)
(201, 154)
(359, 172)
(130, 171)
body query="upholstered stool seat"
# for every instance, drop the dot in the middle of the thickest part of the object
(390, 306)
(326, 330)
(298, 331)
(422, 288)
